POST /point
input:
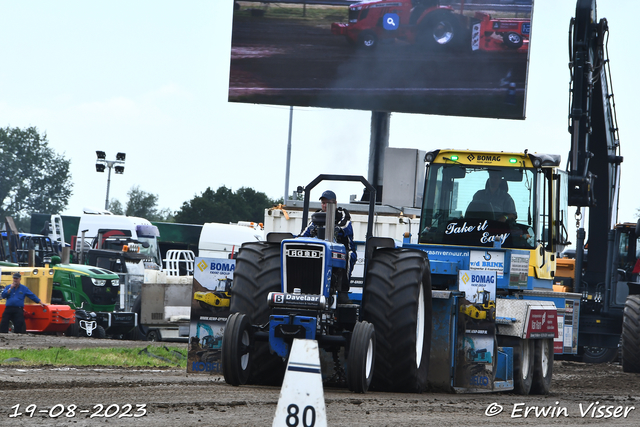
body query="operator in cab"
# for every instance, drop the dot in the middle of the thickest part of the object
(496, 194)
(343, 229)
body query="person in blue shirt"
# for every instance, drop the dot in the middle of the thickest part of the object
(343, 229)
(13, 311)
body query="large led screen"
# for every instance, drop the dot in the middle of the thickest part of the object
(460, 58)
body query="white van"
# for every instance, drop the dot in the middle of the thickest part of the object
(224, 240)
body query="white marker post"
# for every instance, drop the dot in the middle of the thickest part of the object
(301, 400)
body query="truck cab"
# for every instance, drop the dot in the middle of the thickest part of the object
(97, 228)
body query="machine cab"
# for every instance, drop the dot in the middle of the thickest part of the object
(496, 200)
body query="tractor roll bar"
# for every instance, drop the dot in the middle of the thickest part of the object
(356, 178)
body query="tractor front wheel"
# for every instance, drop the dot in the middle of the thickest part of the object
(237, 343)
(100, 332)
(257, 273)
(361, 357)
(397, 301)
(367, 39)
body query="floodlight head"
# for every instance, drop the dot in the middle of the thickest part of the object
(119, 169)
(99, 167)
(121, 156)
(101, 155)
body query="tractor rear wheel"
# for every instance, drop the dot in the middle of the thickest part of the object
(440, 30)
(542, 366)
(257, 273)
(237, 344)
(361, 357)
(397, 301)
(631, 335)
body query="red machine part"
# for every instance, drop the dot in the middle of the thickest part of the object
(541, 323)
(500, 34)
(52, 318)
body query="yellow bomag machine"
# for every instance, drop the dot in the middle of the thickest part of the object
(486, 309)
(215, 299)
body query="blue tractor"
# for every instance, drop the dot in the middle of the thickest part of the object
(298, 287)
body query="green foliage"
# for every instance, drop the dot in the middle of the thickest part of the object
(115, 207)
(225, 206)
(143, 205)
(96, 356)
(33, 177)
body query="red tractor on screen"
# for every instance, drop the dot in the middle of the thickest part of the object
(428, 23)
(422, 21)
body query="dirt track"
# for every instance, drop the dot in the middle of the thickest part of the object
(174, 398)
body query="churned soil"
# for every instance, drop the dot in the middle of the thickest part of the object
(581, 394)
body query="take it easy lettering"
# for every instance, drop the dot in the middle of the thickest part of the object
(454, 228)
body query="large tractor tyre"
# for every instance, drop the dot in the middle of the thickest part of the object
(630, 358)
(599, 354)
(367, 39)
(257, 273)
(542, 366)
(512, 40)
(397, 301)
(523, 362)
(237, 346)
(361, 357)
(440, 30)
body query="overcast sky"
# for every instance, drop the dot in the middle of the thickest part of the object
(150, 78)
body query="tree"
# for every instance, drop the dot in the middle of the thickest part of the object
(33, 177)
(225, 206)
(115, 207)
(143, 205)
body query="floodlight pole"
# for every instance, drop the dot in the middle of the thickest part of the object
(102, 162)
(288, 167)
(106, 201)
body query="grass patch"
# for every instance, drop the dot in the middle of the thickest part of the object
(126, 357)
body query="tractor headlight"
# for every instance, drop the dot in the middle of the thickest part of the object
(115, 282)
(99, 282)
